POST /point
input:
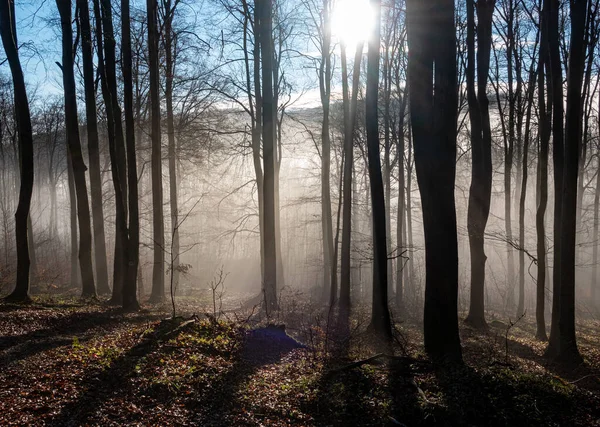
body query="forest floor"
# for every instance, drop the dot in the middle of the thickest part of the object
(66, 363)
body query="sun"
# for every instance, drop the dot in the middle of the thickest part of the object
(352, 22)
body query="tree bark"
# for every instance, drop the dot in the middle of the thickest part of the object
(433, 102)
(544, 132)
(326, 216)
(481, 147)
(380, 315)
(567, 345)
(130, 301)
(173, 199)
(158, 271)
(74, 144)
(93, 148)
(556, 98)
(268, 110)
(23, 118)
(350, 111)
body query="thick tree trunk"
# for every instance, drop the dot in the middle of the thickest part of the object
(432, 41)
(567, 345)
(93, 148)
(74, 143)
(542, 187)
(269, 109)
(380, 315)
(481, 147)
(555, 98)
(23, 118)
(130, 301)
(107, 70)
(158, 271)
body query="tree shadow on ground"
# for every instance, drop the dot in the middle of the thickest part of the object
(500, 398)
(112, 383)
(61, 331)
(220, 403)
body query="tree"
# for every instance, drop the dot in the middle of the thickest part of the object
(481, 148)
(350, 105)
(158, 272)
(8, 32)
(268, 133)
(556, 95)
(108, 78)
(380, 315)
(567, 345)
(133, 243)
(74, 148)
(544, 134)
(93, 147)
(169, 11)
(325, 74)
(433, 106)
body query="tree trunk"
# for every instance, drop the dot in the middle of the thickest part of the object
(158, 271)
(380, 315)
(433, 102)
(93, 148)
(567, 345)
(75, 277)
(23, 118)
(107, 70)
(326, 215)
(130, 301)
(173, 200)
(524, 178)
(74, 144)
(481, 147)
(556, 97)
(350, 111)
(596, 236)
(544, 132)
(400, 229)
(269, 109)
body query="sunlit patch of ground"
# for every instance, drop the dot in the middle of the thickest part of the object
(64, 363)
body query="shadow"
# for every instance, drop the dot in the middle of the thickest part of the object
(62, 330)
(114, 383)
(224, 402)
(500, 398)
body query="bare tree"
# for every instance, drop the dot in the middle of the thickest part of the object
(8, 32)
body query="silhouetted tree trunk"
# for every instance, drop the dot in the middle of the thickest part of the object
(133, 245)
(107, 69)
(380, 315)
(400, 229)
(544, 135)
(158, 271)
(23, 118)
(481, 148)
(433, 104)
(268, 110)
(93, 148)
(567, 345)
(326, 216)
(173, 199)
(350, 101)
(555, 98)
(74, 144)
(75, 276)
